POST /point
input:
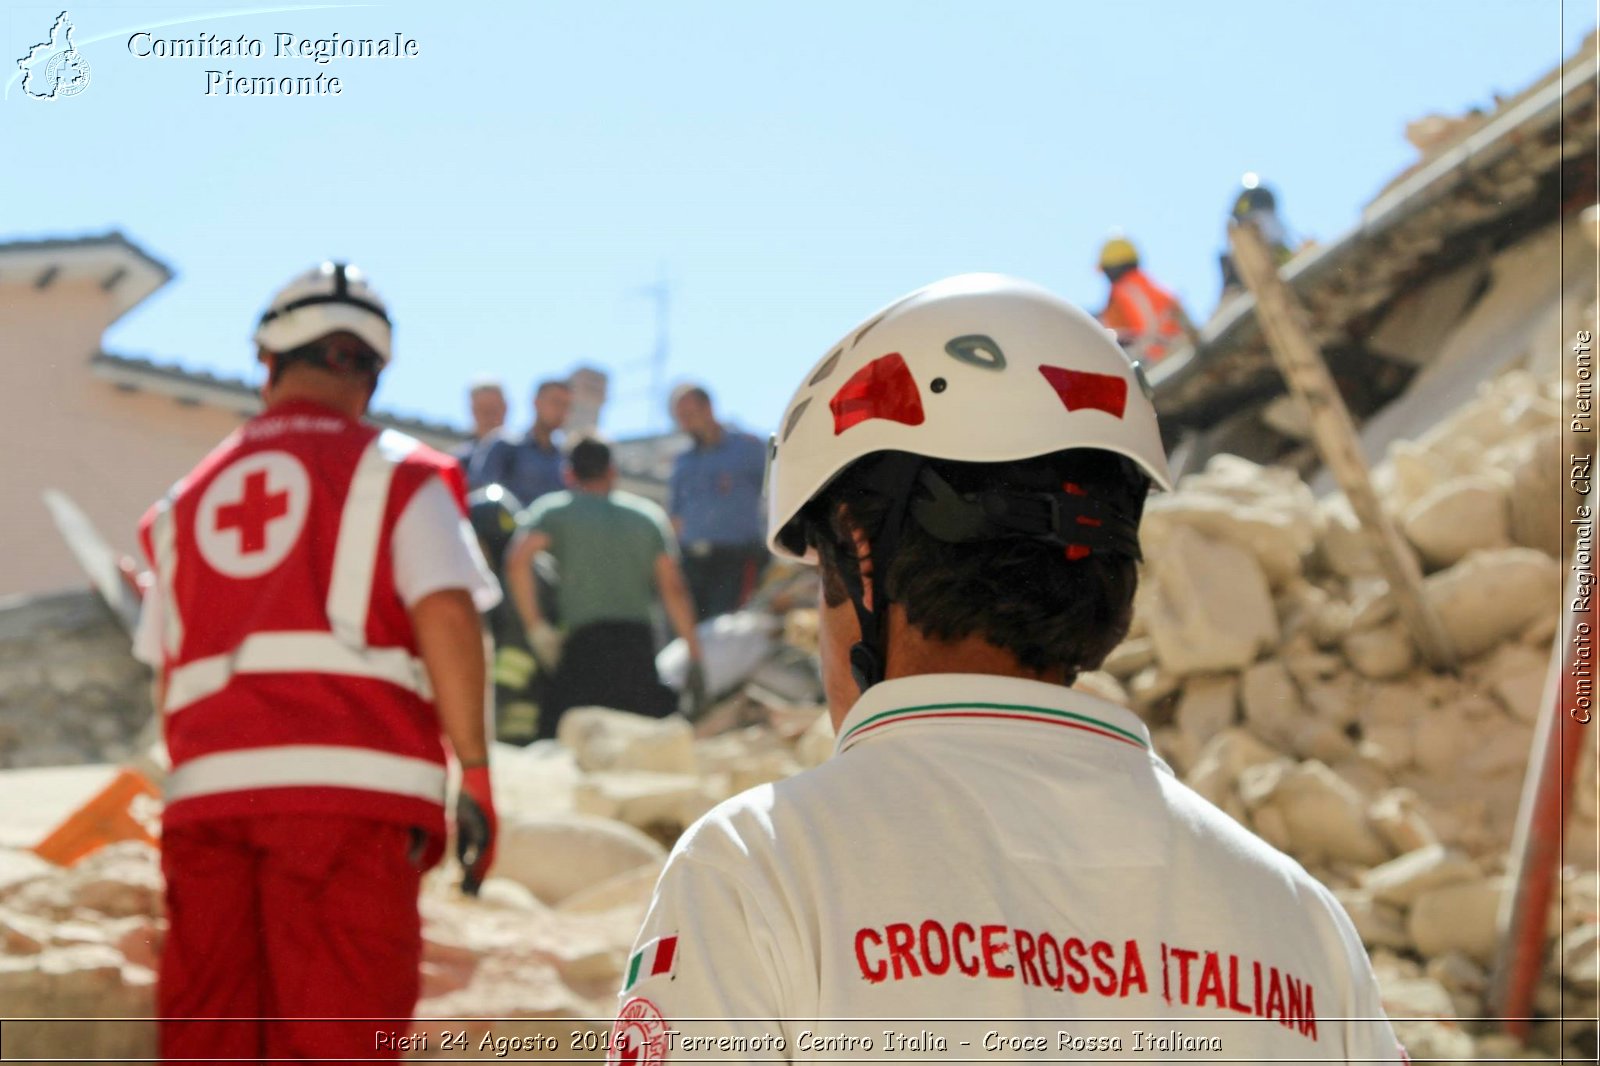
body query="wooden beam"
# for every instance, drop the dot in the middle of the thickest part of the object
(1283, 322)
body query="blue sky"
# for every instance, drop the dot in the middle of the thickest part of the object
(514, 188)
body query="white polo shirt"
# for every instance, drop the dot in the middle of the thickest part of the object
(991, 868)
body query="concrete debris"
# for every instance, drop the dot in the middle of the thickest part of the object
(603, 739)
(1401, 880)
(1212, 610)
(1381, 653)
(1490, 596)
(556, 856)
(1457, 917)
(1457, 518)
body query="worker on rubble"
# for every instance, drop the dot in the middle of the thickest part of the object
(968, 469)
(314, 624)
(714, 498)
(1255, 204)
(520, 686)
(616, 554)
(1148, 320)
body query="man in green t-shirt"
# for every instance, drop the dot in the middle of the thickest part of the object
(615, 553)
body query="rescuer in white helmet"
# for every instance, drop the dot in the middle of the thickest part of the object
(968, 469)
(314, 627)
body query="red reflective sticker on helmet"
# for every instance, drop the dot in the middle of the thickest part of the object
(1080, 390)
(884, 388)
(1077, 551)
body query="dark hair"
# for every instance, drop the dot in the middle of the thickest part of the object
(552, 383)
(1019, 594)
(590, 459)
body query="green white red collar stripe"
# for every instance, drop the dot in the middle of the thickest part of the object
(886, 705)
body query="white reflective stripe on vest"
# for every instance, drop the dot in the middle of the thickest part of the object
(164, 540)
(355, 557)
(302, 652)
(307, 766)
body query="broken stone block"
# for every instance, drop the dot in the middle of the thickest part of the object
(627, 889)
(604, 739)
(1310, 668)
(1222, 760)
(557, 856)
(1442, 742)
(1456, 518)
(1276, 538)
(1326, 817)
(1401, 880)
(1398, 818)
(1380, 925)
(1381, 653)
(1537, 470)
(1208, 706)
(1272, 707)
(1457, 917)
(1101, 684)
(1490, 596)
(1361, 774)
(1270, 825)
(1213, 611)
(1517, 673)
(1129, 657)
(1342, 545)
(1151, 690)
(1390, 745)
(1416, 997)
(1335, 699)
(663, 804)
(1458, 973)
(1331, 623)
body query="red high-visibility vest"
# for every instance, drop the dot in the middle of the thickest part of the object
(1146, 317)
(293, 678)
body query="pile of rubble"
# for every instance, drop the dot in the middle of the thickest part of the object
(1270, 661)
(584, 831)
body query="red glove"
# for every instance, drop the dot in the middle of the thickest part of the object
(475, 827)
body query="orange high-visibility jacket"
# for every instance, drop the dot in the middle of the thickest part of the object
(1148, 320)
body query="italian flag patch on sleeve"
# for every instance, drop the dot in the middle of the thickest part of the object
(656, 957)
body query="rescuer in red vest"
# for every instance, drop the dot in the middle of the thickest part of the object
(1148, 320)
(314, 625)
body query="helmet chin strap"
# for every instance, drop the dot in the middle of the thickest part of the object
(894, 476)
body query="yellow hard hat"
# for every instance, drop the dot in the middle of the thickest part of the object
(1118, 252)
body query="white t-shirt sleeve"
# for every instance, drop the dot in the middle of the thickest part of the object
(147, 634)
(710, 963)
(434, 548)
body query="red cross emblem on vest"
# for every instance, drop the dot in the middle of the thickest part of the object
(253, 512)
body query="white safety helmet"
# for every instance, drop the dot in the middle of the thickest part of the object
(329, 298)
(978, 368)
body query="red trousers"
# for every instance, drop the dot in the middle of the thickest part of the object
(280, 920)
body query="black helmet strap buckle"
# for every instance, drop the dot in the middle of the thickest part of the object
(1069, 518)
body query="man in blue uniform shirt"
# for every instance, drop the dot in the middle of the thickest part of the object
(715, 505)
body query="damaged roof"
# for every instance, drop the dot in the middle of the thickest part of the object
(1502, 177)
